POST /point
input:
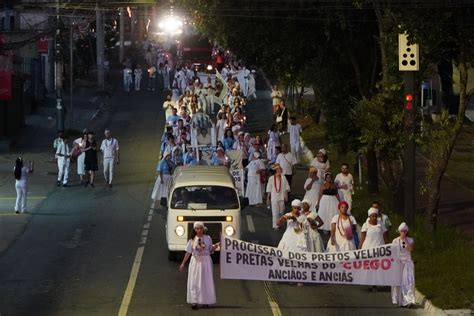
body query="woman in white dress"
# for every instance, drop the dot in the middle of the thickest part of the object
(343, 229)
(373, 232)
(164, 171)
(80, 143)
(328, 202)
(321, 162)
(200, 289)
(254, 187)
(312, 187)
(221, 126)
(273, 141)
(404, 295)
(310, 240)
(293, 228)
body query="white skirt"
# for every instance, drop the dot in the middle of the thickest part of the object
(313, 195)
(80, 164)
(201, 281)
(160, 190)
(327, 210)
(405, 294)
(310, 241)
(254, 190)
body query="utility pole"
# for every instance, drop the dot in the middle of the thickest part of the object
(132, 27)
(409, 64)
(122, 33)
(71, 75)
(99, 21)
(58, 71)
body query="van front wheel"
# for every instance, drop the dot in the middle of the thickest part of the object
(172, 255)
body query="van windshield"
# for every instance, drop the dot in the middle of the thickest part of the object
(204, 197)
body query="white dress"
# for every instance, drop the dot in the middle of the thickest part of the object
(328, 208)
(312, 195)
(221, 124)
(295, 144)
(273, 141)
(373, 235)
(345, 194)
(200, 278)
(309, 240)
(290, 237)
(322, 168)
(80, 159)
(405, 294)
(254, 187)
(343, 229)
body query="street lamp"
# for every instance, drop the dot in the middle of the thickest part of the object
(171, 25)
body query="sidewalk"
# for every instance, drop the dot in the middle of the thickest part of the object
(92, 109)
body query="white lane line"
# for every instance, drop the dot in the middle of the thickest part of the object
(250, 224)
(127, 297)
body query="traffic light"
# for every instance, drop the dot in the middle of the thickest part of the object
(407, 54)
(408, 102)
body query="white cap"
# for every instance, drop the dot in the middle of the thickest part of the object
(296, 203)
(403, 227)
(323, 151)
(373, 210)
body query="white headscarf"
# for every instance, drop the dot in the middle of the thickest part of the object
(403, 226)
(373, 210)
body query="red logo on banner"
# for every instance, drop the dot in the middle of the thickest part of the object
(5, 85)
(42, 45)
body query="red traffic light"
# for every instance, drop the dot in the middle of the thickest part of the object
(409, 97)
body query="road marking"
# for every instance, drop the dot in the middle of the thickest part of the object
(250, 224)
(127, 296)
(29, 197)
(272, 300)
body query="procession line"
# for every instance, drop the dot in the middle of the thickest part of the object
(127, 297)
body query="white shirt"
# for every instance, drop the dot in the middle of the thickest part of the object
(286, 162)
(64, 150)
(277, 192)
(24, 174)
(342, 179)
(294, 131)
(254, 166)
(109, 147)
(373, 235)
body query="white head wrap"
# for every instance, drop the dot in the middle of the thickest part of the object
(403, 226)
(306, 201)
(323, 151)
(198, 224)
(235, 128)
(296, 203)
(256, 154)
(373, 210)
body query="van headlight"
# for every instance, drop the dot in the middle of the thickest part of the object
(229, 230)
(179, 230)
(209, 67)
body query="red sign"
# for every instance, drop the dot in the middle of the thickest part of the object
(5, 85)
(42, 45)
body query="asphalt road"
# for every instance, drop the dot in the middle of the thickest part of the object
(83, 246)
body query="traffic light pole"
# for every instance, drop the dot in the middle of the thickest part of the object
(409, 153)
(58, 72)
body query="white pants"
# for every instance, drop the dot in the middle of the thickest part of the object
(108, 167)
(63, 169)
(21, 192)
(277, 209)
(137, 83)
(127, 82)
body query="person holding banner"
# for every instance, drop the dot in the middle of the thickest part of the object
(373, 232)
(277, 194)
(200, 289)
(404, 295)
(312, 241)
(343, 229)
(293, 230)
(254, 187)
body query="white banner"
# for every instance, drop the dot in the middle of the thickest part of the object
(236, 169)
(247, 261)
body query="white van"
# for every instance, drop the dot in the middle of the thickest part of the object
(201, 193)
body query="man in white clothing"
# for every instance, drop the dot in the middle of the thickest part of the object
(277, 194)
(287, 161)
(294, 129)
(345, 185)
(110, 152)
(63, 153)
(138, 77)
